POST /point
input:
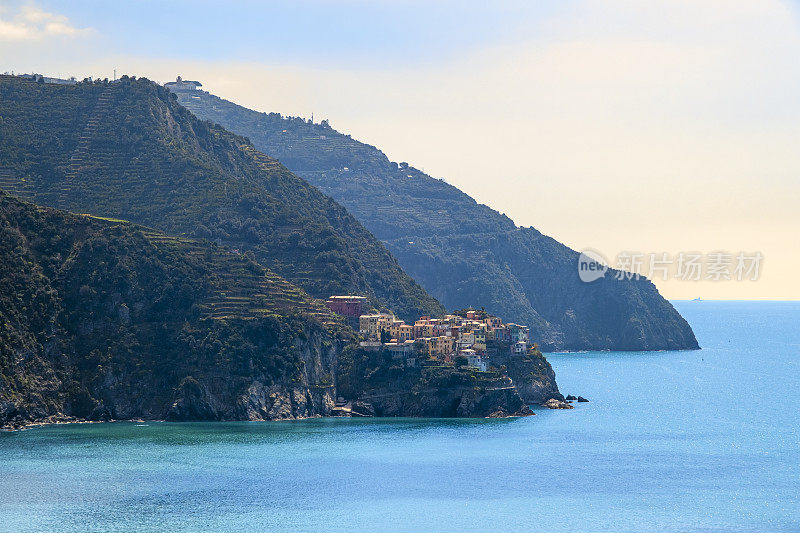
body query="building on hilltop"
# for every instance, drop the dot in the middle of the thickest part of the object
(475, 359)
(403, 350)
(423, 328)
(519, 348)
(502, 334)
(45, 79)
(401, 331)
(493, 321)
(180, 85)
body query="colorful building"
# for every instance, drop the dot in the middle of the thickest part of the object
(423, 328)
(371, 326)
(400, 331)
(350, 307)
(441, 339)
(475, 359)
(518, 333)
(519, 348)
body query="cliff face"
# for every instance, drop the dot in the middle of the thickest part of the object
(462, 252)
(204, 394)
(105, 320)
(258, 397)
(457, 402)
(563, 311)
(533, 378)
(385, 388)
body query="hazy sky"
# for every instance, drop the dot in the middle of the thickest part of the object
(621, 125)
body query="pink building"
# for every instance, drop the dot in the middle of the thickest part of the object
(351, 307)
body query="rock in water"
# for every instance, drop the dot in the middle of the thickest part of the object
(554, 403)
(582, 399)
(361, 408)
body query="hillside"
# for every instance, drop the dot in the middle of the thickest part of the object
(103, 319)
(461, 252)
(128, 150)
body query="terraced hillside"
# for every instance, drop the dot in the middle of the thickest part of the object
(240, 287)
(13, 184)
(462, 252)
(104, 319)
(127, 150)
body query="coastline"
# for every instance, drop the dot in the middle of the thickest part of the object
(76, 421)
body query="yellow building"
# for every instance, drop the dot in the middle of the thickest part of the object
(444, 345)
(428, 344)
(423, 329)
(371, 325)
(401, 331)
(480, 340)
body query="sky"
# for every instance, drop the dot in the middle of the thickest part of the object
(624, 126)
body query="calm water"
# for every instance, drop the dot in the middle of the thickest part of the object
(671, 440)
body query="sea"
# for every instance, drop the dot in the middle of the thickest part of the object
(705, 440)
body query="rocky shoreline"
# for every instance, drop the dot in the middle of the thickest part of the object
(356, 409)
(442, 393)
(63, 421)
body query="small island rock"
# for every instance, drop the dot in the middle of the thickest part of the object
(554, 403)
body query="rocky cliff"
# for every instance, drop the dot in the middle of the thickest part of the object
(106, 320)
(386, 388)
(448, 402)
(533, 378)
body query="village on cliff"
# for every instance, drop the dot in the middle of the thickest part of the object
(468, 337)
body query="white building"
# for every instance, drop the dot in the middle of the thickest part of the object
(475, 359)
(180, 85)
(400, 350)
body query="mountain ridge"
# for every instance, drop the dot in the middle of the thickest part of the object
(462, 252)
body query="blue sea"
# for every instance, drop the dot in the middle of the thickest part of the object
(678, 441)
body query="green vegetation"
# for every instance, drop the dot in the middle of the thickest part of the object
(128, 151)
(462, 252)
(108, 320)
(480, 314)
